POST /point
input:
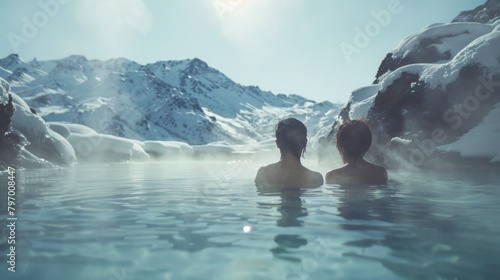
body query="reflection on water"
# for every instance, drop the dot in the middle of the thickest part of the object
(290, 210)
(289, 206)
(158, 221)
(429, 236)
(366, 202)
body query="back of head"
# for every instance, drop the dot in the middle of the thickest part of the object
(291, 135)
(353, 139)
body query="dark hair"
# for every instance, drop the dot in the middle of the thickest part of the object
(291, 135)
(353, 139)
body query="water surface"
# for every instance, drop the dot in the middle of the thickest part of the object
(206, 220)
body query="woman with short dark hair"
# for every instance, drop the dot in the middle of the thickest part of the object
(291, 140)
(353, 141)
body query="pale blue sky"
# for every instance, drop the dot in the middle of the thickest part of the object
(285, 46)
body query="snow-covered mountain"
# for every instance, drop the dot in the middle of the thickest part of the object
(437, 94)
(62, 111)
(183, 100)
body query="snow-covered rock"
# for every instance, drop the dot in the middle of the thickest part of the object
(481, 141)
(106, 148)
(435, 44)
(437, 92)
(165, 149)
(78, 128)
(213, 148)
(361, 101)
(489, 12)
(43, 142)
(26, 139)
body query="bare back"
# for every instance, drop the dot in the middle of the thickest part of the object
(295, 176)
(360, 172)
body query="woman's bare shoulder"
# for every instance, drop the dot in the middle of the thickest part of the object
(262, 176)
(335, 176)
(380, 172)
(312, 175)
(315, 178)
(377, 167)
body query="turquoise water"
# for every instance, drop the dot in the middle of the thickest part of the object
(206, 220)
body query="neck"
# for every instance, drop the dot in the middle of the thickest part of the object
(289, 158)
(353, 160)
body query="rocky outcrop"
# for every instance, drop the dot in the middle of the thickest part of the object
(489, 12)
(26, 139)
(431, 91)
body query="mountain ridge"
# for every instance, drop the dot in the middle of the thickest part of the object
(182, 100)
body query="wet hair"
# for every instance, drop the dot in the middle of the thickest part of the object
(291, 135)
(353, 139)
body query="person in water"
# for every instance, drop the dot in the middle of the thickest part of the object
(353, 141)
(291, 140)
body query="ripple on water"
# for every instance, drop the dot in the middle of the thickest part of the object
(158, 221)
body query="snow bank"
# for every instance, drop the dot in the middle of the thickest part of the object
(451, 37)
(44, 143)
(19, 101)
(108, 148)
(416, 69)
(60, 128)
(92, 146)
(213, 148)
(66, 129)
(485, 51)
(481, 141)
(78, 128)
(364, 93)
(166, 148)
(480, 46)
